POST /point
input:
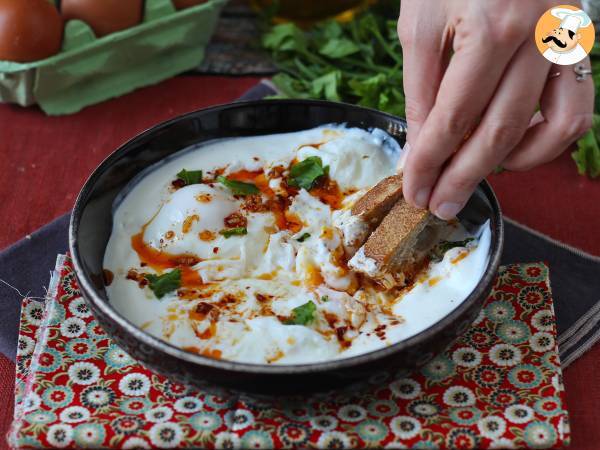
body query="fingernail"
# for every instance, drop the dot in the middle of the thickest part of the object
(422, 197)
(448, 210)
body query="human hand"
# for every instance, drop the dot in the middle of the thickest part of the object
(472, 112)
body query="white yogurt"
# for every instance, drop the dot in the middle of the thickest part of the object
(256, 280)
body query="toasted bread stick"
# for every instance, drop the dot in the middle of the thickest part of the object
(376, 203)
(393, 244)
(368, 212)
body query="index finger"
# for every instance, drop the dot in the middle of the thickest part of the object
(466, 89)
(425, 51)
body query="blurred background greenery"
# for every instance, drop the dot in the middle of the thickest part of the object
(308, 11)
(353, 55)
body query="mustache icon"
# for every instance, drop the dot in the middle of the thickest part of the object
(556, 41)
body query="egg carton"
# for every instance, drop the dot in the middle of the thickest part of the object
(89, 70)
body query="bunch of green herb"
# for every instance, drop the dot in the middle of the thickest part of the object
(357, 62)
(587, 155)
(361, 62)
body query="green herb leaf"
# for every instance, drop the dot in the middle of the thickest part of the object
(338, 48)
(369, 87)
(327, 86)
(378, 92)
(238, 187)
(289, 86)
(190, 176)
(302, 315)
(367, 25)
(284, 37)
(331, 29)
(304, 237)
(306, 173)
(165, 283)
(325, 298)
(444, 246)
(587, 155)
(357, 62)
(239, 231)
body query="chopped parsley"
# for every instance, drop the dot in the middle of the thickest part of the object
(303, 314)
(306, 173)
(238, 231)
(238, 187)
(325, 298)
(190, 176)
(444, 246)
(165, 283)
(304, 237)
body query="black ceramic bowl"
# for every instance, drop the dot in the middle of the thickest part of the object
(91, 225)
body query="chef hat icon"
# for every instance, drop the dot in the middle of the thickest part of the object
(571, 19)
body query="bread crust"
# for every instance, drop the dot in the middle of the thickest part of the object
(373, 206)
(398, 231)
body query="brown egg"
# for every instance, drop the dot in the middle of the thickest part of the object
(104, 16)
(29, 30)
(182, 4)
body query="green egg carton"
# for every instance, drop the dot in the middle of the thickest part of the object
(89, 70)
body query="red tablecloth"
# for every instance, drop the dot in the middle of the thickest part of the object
(45, 160)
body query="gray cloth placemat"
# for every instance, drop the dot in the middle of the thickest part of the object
(575, 280)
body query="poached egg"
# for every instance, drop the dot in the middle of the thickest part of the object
(258, 273)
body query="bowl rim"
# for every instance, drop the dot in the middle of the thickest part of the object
(91, 295)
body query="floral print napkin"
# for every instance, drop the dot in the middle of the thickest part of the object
(499, 386)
